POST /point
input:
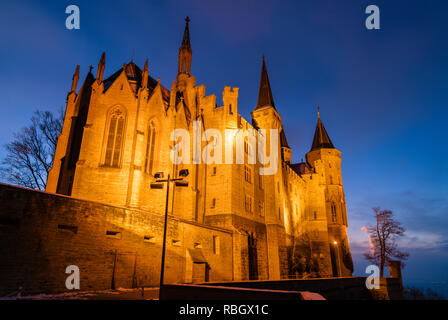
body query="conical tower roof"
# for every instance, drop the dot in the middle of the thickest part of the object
(321, 139)
(265, 97)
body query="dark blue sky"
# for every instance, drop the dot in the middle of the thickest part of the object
(383, 93)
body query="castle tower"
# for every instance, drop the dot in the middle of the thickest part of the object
(326, 160)
(265, 116)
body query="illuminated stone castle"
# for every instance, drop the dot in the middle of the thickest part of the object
(116, 136)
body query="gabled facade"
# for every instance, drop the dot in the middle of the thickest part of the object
(117, 134)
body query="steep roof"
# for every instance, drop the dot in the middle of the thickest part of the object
(134, 75)
(321, 139)
(265, 97)
(302, 168)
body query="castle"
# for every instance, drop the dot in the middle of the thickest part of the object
(237, 224)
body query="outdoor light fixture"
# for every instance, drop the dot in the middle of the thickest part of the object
(179, 182)
(184, 173)
(335, 243)
(158, 175)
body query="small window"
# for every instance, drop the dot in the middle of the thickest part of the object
(213, 202)
(214, 171)
(315, 215)
(149, 239)
(64, 227)
(197, 245)
(216, 245)
(176, 243)
(113, 234)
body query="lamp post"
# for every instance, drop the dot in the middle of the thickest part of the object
(338, 263)
(159, 185)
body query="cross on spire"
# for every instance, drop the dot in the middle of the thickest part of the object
(186, 38)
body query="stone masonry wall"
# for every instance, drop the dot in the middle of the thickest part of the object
(43, 233)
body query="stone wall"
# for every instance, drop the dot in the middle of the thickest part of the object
(43, 233)
(349, 288)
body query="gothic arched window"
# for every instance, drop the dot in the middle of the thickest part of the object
(150, 148)
(333, 212)
(115, 138)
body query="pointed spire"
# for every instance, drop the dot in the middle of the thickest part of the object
(321, 139)
(185, 51)
(101, 67)
(265, 97)
(186, 38)
(75, 79)
(145, 75)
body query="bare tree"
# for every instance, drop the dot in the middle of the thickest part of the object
(383, 237)
(30, 155)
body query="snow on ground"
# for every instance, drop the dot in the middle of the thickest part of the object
(120, 293)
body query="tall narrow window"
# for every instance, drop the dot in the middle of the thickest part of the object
(261, 208)
(333, 212)
(115, 139)
(150, 148)
(248, 203)
(248, 174)
(216, 246)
